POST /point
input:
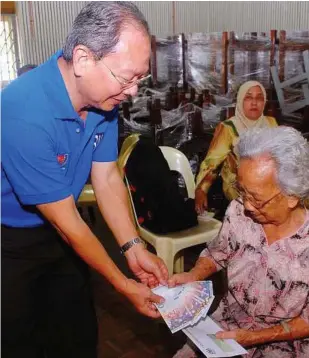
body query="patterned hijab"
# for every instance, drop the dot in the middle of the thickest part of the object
(241, 122)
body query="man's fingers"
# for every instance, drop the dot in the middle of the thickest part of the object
(153, 282)
(151, 313)
(156, 298)
(172, 282)
(160, 273)
(164, 271)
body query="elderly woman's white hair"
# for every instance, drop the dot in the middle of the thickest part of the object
(289, 150)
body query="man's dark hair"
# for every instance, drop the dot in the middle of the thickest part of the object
(99, 25)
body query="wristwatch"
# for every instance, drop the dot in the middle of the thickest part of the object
(124, 248)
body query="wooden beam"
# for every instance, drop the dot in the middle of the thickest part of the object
(8, 7)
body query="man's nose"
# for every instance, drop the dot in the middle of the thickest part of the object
(131, 91)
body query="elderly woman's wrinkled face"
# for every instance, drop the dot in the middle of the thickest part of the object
(254, 103)
(263, 199)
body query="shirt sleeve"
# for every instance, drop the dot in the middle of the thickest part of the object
(29, 160)
(107, 149)
(218, 150)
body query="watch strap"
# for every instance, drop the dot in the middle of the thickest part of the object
(124, 248)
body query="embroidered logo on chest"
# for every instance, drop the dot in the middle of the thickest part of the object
(62, 158)
(97, 139)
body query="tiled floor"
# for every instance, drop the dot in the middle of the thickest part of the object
(124, 333)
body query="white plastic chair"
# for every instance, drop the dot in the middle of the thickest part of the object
(169, 246)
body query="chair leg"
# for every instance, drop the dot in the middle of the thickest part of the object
(179, 262)
(165, 251)
(91, 215)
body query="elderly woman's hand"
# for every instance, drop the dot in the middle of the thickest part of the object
(242, 336)
(181, 278)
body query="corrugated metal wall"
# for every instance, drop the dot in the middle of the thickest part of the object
(241, 16)
(43, 25)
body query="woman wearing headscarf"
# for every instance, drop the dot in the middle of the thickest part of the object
(251, 100)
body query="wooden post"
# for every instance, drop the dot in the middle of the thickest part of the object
(282, 39)
(273, 39)
(184, 72)
(224, 73)
(232, 42)
(154, 71)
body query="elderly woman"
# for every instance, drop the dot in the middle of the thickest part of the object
(264, 247)
(251, 99)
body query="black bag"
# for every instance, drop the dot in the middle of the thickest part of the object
(159, 205)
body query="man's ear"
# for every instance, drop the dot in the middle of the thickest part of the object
(83, 60)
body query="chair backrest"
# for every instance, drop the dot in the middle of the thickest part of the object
(126, 149)
(178, 161)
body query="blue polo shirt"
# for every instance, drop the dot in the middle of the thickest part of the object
(47, 149)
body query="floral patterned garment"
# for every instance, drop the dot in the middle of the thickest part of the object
(221, 152)
(270, 282)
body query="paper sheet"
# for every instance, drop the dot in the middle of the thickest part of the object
(203, 335)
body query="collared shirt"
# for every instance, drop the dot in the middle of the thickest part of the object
(47, 149)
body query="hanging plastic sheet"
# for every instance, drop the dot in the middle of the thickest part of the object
(290, 61)
(289, 56)
(169, 61)
(204, 59)
(250, 57)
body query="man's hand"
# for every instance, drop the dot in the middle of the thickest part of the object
(201, 203)
(142, 298)
(147, 267)
(244, 337)
(181, 278)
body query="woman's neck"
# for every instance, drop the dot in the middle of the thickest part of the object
(287, 228)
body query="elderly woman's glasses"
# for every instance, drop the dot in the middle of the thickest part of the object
(125, 84)
(252, 202)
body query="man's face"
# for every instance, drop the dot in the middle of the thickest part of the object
(263, 200)
(101, 82)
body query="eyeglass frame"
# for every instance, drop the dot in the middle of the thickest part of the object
(127, 84)
(259, 207)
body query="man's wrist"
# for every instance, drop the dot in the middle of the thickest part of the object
(137, 241)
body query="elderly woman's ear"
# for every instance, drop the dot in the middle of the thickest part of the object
(293, 201)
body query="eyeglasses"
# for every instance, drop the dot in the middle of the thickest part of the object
(256, 205)
(125, 84)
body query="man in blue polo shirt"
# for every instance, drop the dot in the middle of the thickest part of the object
(59, 123)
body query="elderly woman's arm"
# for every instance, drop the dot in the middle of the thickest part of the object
(297, 328)
(212, 259)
